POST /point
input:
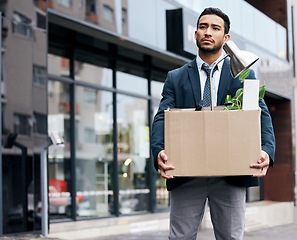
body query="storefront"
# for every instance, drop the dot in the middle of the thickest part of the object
(103, 91)
(69, 69)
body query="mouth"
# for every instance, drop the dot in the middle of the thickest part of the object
(207, 40)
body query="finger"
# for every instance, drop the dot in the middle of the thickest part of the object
(264, 171)
(260, 165)
(164, 167)
(261, 160)
(164, 175)
(163, 156)
(262, 174)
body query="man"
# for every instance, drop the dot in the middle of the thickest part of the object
(183, 88)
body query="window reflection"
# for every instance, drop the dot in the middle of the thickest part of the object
(58, 65)
(162, 195)
(132, 83)
(93, 74)
(59, 157)
(94, 154)
(133, 154)
(156, 91)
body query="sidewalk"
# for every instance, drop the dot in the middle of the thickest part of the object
(286, 232)
(149, 227)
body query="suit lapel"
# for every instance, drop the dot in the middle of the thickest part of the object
(224, 80)
(194, 80)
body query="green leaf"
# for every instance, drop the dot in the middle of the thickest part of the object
(228, 99)
(233, 107)
(244, 75)
(262, 92)
(238, 92)
(236, 101)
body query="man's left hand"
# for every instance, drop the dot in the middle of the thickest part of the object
(263, 164)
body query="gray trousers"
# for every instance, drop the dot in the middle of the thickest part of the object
(226, 203)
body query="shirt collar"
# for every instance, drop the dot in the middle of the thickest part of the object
(199, 63)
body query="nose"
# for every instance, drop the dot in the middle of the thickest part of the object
(208, 32)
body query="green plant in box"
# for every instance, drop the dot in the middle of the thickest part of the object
(236, 102)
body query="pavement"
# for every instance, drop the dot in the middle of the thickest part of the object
(283, 232)
(286, 232)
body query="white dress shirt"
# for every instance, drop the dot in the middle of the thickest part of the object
(203, 77)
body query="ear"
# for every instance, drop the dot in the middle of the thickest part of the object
(226, 37)
(196, 34)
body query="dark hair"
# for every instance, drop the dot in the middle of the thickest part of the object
(218, 12)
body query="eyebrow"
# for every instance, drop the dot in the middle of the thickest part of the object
(213, 25)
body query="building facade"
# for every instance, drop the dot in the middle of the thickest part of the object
(92, 71)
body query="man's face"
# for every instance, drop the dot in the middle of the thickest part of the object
(210, 35)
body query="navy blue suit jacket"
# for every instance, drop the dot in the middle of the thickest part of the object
(182, 90)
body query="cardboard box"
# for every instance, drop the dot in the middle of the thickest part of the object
(212, 143)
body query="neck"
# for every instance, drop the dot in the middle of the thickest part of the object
(210, 57)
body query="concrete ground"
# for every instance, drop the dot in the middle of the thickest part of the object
(283, 232)
(286, 232)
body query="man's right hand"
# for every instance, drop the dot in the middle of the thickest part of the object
(162, 158)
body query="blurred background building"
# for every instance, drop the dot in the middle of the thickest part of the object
(93, 71)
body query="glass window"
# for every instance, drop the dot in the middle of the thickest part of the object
(40, 123)
(132, 83)
(90, 135)
(156, 91)
(41, 20)
(133, 153)
(2, 70)
(91, 6)
(94, 152)
(80, 3)
(108, 13)
(93, 74)
(21, 25)
(162, 195)
(124, 16)
(22, 124)
(90, 96)
(65, 3)
(39, 75)
(59, 157)
(13, 199)
(58, 66)
(91, 11)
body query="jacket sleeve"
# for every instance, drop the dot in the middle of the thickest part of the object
(267, 132)
(167, 101)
